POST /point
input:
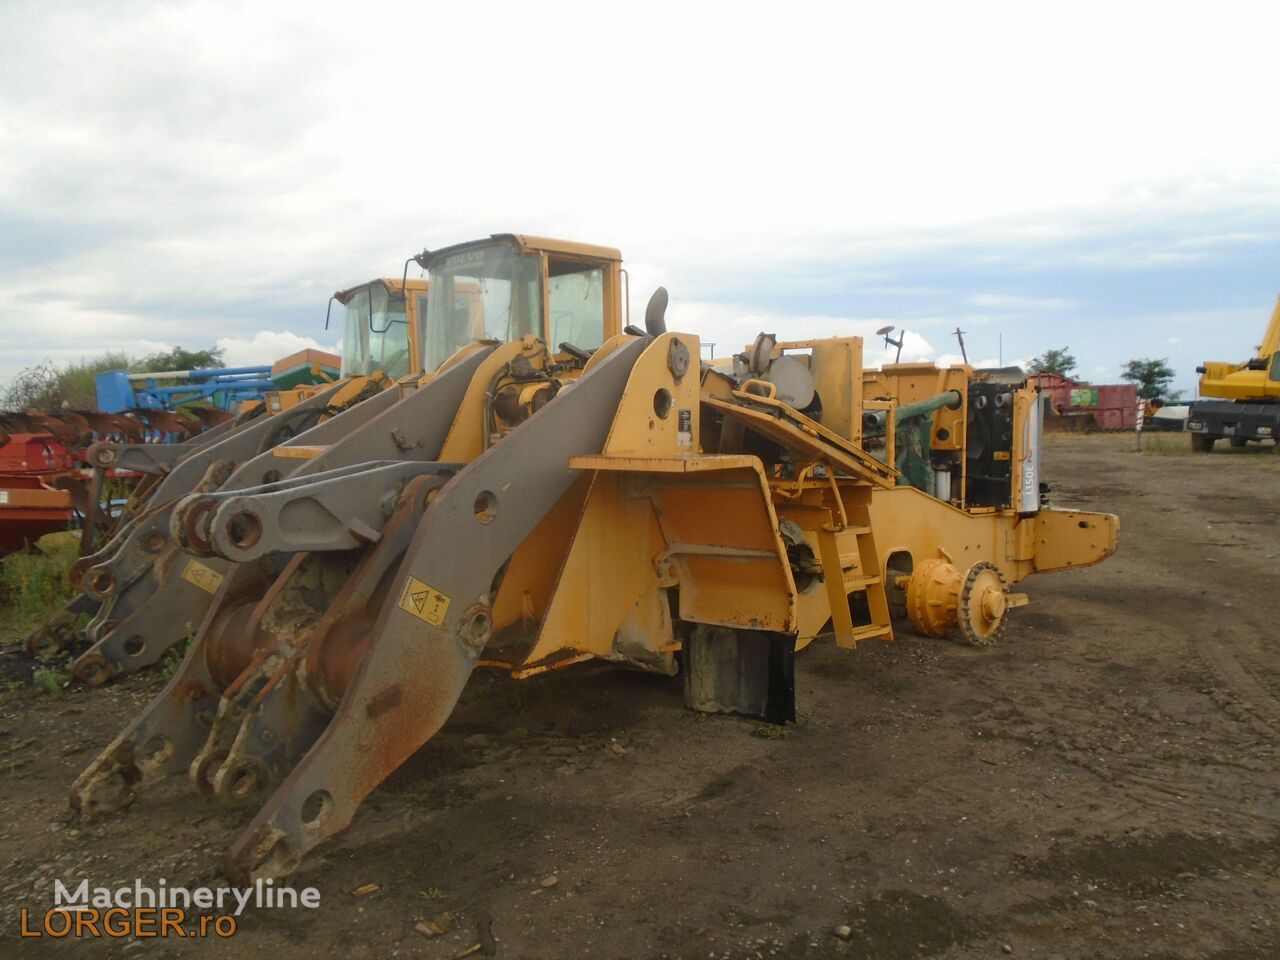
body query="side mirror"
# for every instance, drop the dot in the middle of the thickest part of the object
(655, 314)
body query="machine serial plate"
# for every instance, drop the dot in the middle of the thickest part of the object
(424, 601)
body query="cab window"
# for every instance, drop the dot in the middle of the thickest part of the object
(575, 296)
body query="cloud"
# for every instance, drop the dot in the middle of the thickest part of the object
(207, 170)
(1003, 301)
(266, 347)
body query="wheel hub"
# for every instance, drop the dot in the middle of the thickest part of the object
(943, 601)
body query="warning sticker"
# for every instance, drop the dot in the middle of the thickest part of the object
(424, 602)
(200, 575)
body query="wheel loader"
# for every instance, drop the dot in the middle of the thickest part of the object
(382, 325)
(563, 488)
(383, 336)
(1245, 397)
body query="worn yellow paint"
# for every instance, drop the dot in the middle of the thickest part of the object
(299, 452)
(467, 437)
(657, 414)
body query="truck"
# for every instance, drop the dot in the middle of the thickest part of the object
(1239, 401)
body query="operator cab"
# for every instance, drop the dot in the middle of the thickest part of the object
(509, 286)
(382, 322)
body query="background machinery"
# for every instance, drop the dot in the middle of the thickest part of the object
(558, 488)
(1246, 396)
(45, 480)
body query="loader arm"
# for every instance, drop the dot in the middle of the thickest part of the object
(442, 618)
(159, 612)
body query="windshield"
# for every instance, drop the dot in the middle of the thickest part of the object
(376, 337)
(486, 292)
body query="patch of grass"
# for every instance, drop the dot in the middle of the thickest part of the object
(49, 681)
(1167, 445)
(772, 731)
(1179, 445)
(173, 658)
(33, 583)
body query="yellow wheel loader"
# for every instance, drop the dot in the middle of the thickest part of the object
(563, 489)
(383, 342)
(383, 323)
(150, 595)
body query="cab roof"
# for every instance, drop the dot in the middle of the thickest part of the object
(391, 283)
(528, 243)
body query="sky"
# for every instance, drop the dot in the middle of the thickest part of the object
(1104, 177)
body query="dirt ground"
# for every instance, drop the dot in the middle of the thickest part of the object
(1101, 784)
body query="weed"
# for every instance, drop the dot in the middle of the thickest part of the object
(33, 582)
(771, 731)
(1171, 445)
(49, 681)
(173, 658)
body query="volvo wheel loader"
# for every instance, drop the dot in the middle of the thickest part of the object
(147, 595)
(1244, 398)
(383, 340)
(563, 489)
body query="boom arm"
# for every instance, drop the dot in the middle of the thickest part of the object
(1257, 379)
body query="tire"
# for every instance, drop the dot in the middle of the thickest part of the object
(1202, 442)
(1239, 442)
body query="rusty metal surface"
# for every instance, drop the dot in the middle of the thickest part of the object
(145, 537)
(139, 574)
(157, 606)
(336, 510)
(190, 523)
(409, 680)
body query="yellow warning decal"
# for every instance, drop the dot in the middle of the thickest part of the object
(200, 575)
(424, 601)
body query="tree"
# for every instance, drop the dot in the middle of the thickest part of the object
(180, 359)
(1059, 361)
(47, 388)
(32, 389)
(1152, 377)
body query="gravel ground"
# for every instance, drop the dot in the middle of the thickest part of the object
(1103, 783)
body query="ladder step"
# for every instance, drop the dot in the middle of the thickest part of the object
(860, 583)
(871, 630)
